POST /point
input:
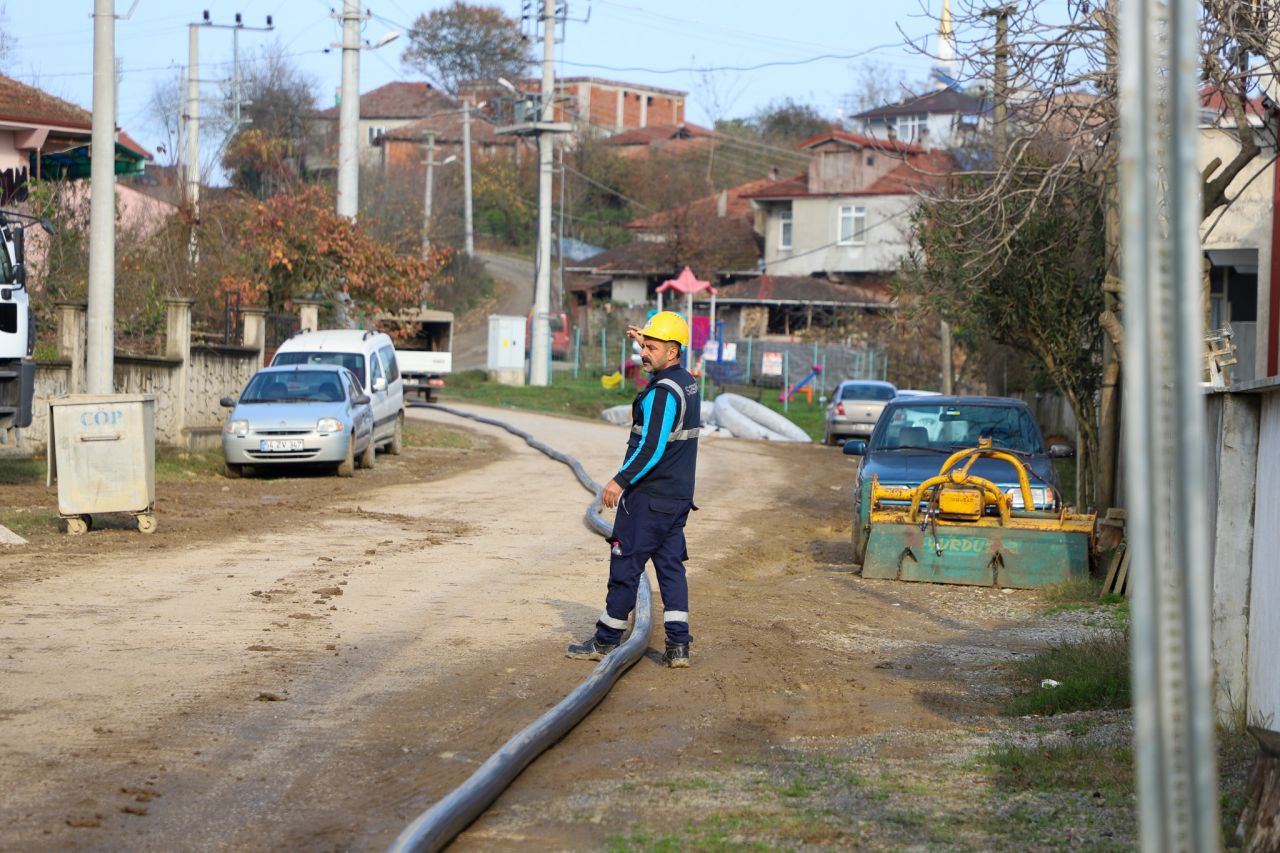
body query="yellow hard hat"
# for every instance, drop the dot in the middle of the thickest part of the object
(667, 326)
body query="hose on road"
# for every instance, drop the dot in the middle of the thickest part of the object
(437, 826)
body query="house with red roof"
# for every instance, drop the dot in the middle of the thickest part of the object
(42, 136)
(661, 139)
(849, 214)
(385, 109)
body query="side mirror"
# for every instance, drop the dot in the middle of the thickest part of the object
(363, 399)
(1061, 451)
(380, 384)
(227, 402)
(855, 447)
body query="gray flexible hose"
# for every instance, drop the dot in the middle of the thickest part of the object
(437, 826)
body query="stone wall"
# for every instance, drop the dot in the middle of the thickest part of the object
(187, 381)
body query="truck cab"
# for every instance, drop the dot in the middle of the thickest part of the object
(17, 331)
(424, 348)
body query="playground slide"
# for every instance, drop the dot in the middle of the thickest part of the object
(749, 419)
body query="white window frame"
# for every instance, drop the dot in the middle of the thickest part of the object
(909, 127)
(375, 131)
(786, 228)
(855, 214)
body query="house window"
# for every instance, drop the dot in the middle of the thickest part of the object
(374, 133)
(910, 128)
(853, 225)
(784, 229)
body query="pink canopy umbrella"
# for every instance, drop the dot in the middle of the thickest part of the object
(688, 284)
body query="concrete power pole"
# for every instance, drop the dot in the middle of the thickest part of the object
(539, 347)
(193, 116)
(101, 327)
(469, 244)
(349, 113)
(429, 193)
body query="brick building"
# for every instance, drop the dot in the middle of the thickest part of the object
(590, 103)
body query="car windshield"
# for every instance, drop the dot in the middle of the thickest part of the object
(954, 426)
(294, 386)
(352, 361)
(866, 391)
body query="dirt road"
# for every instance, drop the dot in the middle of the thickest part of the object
(310, 678)
(513, 296)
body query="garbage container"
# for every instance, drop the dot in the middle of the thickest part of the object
(102, 454)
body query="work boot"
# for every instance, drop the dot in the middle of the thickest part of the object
(592, 649)
(677, 655)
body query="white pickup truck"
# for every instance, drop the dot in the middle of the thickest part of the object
(424, 349)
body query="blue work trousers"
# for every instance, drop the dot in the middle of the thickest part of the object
(647, 528)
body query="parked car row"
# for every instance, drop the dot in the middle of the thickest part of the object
(332, 397)
(856, 405)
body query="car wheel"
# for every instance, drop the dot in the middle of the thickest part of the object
(396, 446)
(234, 471)
(347, 467)
(368, 457)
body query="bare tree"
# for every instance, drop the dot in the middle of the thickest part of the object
(164, 115)
(1054, 127)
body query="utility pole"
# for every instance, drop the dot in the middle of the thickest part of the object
(349, 113)
(100, 330)
(996, 375)
(469, 244)
(538, 347)
(349, 108)
(193, 117)
(429, 194)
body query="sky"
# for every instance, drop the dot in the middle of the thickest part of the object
(629, 40)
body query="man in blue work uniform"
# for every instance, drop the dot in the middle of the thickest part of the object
(653, 493)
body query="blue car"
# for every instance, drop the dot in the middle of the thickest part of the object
(300, 414)
(915, 435)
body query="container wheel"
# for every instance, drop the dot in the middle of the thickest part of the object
(78, 525)
(396, 445)
(147, 522)
(369, 456)
(347, 467)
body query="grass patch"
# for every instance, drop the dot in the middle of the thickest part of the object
(1093, 674)
(739, 830)
(173, 464)
(1069, 767)
(18, 471)
(426, 436)
(31, 524)
(583, 396)
(1074, 591)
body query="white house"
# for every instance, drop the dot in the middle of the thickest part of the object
(850, 213)
(943, 119)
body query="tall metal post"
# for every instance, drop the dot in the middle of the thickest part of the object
(193, 116)
(1164, 428)
(349, 113)
(542, 284)
(469, 244)
(428, 194)
(100, 329)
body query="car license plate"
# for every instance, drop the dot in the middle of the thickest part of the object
(280, 445)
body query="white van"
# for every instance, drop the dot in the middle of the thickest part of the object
(372, 358)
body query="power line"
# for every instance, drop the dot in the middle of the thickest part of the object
(715, 68)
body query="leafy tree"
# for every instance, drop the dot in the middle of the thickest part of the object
(1044, 299)
(295, 243)
(463, 42)
(262, 156)
(788, 122)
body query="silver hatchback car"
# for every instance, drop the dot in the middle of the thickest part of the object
(299, 414)
(855, 407)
